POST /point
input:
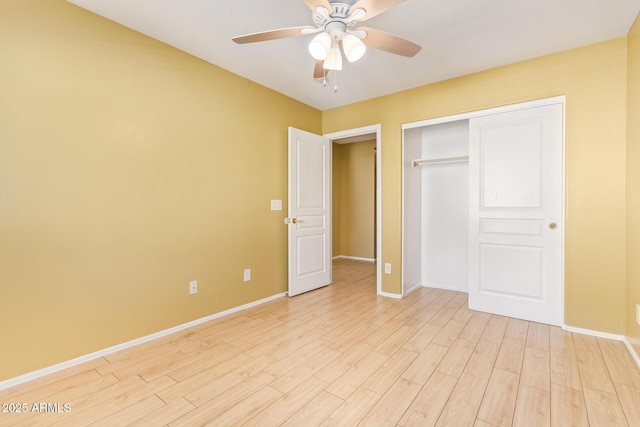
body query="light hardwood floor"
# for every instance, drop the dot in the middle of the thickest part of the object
(342, 356)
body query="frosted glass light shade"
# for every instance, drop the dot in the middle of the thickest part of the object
(353, 47)
(334, 59)
(320, 46)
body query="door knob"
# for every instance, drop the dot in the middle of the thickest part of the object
(292, 220)
(553, 226)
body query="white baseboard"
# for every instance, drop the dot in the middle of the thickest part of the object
(389, 295)
(105, 352)
(607, 335)
(447, 288)
(354, 258)
(593, 333)
(411, 289)
(632, 350)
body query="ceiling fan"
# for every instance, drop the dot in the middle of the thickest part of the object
(336, 24)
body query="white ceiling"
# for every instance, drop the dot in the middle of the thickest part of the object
(458, 37)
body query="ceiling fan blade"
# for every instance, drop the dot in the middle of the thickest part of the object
(312, 4)
(389, 42)
(272, 35)
(373, 7)
(318, 70)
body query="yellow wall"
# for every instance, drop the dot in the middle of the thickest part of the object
(127, 169)
(633, 183)
(354, 199)
(593, 79)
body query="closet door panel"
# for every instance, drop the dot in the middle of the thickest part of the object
(510, 166)
(526, 281)
(515, 225)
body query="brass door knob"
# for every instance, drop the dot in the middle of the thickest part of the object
(553, 226)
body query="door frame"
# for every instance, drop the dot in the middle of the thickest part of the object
(496, 110)
(377, 130)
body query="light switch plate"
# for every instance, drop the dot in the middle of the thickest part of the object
(276, 205)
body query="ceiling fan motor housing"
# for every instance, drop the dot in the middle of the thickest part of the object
(336, 29)
(340, 10)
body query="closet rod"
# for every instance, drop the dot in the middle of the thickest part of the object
(420, 162)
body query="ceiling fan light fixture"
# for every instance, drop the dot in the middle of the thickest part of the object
(320, 46)
(336, 33)
(334, 59)
(353, 47)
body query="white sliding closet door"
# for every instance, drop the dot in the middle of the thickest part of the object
(516, 214)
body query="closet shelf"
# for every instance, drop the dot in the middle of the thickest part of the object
(444, 160)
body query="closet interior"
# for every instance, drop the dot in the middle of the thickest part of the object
(436, 206)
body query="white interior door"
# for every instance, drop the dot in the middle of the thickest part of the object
(309, 211)
(516, 214)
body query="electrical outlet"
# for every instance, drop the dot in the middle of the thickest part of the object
(193, 287)
(638, 314)
(247, 274)
(387, 268)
